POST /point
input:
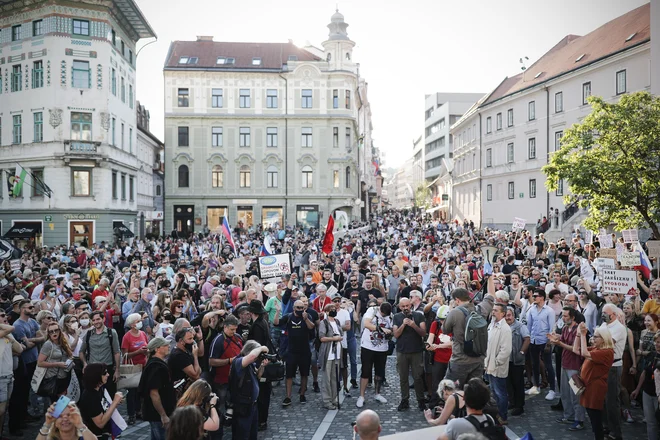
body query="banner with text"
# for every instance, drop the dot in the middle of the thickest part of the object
(519, 223)
(619, 282)
(630, 259)
(276, 265)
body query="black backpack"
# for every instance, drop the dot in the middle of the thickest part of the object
(488, 428)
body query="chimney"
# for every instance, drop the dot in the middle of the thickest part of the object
(205, 38)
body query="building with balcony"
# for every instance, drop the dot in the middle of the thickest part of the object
(151, 169)
(67, 109)
(265, 133)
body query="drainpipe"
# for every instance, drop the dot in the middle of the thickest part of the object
(481, 192)
(286, 149)
(547, 158)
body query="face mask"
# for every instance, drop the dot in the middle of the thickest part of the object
(332, 313)
(193, 285)
(542, 284)
(74, 326)
(52, 294)
(168, 301)
(84, 322)
(308, 279)
(298, 312)
(138, 325)
(189, 347)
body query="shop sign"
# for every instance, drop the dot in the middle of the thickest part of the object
(80, 216)
(244, 201)
(244, 208)
(308, 207)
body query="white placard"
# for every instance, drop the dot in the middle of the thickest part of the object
(605, 263)
(654, 249)
(630, 259)
(630, 235)
(620, 249)
(588, 237)
(518, 223)
(619, 281)
(15, 264)
(605, 240)
(586, 271)
(275, 265)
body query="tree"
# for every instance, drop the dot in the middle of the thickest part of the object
(611, 162)
(422, 196)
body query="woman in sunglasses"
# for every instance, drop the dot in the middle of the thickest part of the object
(57, 358)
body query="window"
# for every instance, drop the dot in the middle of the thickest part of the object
(244, 137)
(130, 140)
(271, 136)
(489, 157)
(489, 125)
(217, 176)
(560, 188)
(307, 137)
(335, 179)
(558, 136)
(216, 136)
(158, 190)
(307, 98)
(307, 177)
(509, 118)
(335, 98)
(512, 191)
(348, 137)
(271, 98)
(489, 192)
(16, 74)
(348, 99)
(130, 57)
(184, 177)
(113, 36)
(348, 177)
(37, 28)
(114, 185)
(114, 132)
(271, 177)
(216, 98)
(123, 48)
(531, 111)
(256, 61)
(183, 95)
(221, 60)
(16, 32)
(335, 137)
(498, 119)
(17, 132)
(532, 188)
(183, 137)
(620, 82)
(114, 82)
(123, 89)
(586, 92)
(123, 143)
(531, 148)
(82, 183)
(123, 186)
(244, 98)
(244, 176)
(130, 95)
(559, 102)
(131, 188)
(81, 126)
(509, 153)
(82, 77)
(81, 27)
(38, 126)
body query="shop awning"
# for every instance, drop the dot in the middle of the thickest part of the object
(24, 230)
(123, 231)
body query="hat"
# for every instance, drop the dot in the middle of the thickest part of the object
(80, 303)
(335, 296)
(295, 288)
(156, 343)
(270, 288)
(443, 311)
(256, 307)
(17, 298)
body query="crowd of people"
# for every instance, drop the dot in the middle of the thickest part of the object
(472, 336)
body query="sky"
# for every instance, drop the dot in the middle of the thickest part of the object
(406, 49)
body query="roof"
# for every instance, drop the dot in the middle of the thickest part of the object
(273, 55)
(574, 52)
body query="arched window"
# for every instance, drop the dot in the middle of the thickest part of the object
(183, 176)
(348, 56)
(216, 176)
(245, 177)
(307, 176)
(271, 176)
(348, 177)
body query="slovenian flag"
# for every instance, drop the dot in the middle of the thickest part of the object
(226, 231)
(645, 267)
(376, 165)
(265, 248)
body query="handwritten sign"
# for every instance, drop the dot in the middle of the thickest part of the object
(605, 263)
(630, 235)
(654, 249)
(620, 249)
(239, 266)
(586, 271)
(607, 253)
(630, 259)
(588, 237)
(605, 240)
(518, 223)
(15, 264)
(619, 282)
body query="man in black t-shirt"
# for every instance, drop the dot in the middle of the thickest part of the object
(409, 329)
(508, 269)
(368, 293)
(183, 361)
(563, 251)
(156, 388)
(352, 289)
(405, 293)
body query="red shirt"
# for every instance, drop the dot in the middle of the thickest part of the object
(133, 343)
(320, 305)
(97, 293)
(232, 348)
(441, 355)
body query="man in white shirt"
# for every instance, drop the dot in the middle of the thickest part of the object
(619, 333)
(497, 358)
(556, 284)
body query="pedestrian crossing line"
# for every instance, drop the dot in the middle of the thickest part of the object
(324, 426)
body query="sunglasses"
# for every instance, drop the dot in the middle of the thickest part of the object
(2, 315)
(53, 332)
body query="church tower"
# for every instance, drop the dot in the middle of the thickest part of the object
(338, 47)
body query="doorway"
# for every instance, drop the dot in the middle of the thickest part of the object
(81, 233)
(183, 220)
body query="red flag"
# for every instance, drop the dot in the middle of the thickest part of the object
(329, 239)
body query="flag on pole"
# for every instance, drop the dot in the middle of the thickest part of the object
(376, 166)
(329, 238)
(265, 248)
(16, 181)
(226, 231)
(646, 266)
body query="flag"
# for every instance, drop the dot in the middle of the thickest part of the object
(265, 248)
(645, 267)
(329, 238)
(226, 231)
(376, 166)
(16, 181)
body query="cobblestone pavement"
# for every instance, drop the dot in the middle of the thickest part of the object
(311, 422)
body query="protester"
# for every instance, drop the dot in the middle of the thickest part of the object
(68, 426)
(156, 387)
(200, 395)
(134, 350)
(96, 411)
(57, 358)
(187, 423)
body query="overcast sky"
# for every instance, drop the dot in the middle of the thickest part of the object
(406, 49)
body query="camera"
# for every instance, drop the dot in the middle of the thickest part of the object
(268, 357)
(228, 416)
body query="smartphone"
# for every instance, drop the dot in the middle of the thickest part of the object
(60, 406)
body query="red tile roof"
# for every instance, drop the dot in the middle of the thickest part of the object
(600, 43)
(273, 55)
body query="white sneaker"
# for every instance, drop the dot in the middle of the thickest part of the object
(550, 396)
(360, 402)
(380, 398)
(533, 391)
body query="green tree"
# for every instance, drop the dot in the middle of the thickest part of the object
(611, 162)
(422, 196)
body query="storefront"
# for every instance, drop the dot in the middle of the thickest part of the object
(121, 231)
(215, 216)
(307, 216)
(184, 216)
(245, 215)
(153, 223)
(25, 234)
(272, 216)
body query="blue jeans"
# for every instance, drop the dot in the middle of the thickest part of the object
(498, 388)
(157, 431)
(351, 344)
(245, 428)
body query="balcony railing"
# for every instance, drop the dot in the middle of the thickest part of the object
(82, 147)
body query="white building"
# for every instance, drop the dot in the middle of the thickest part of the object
(151, 157)
(418, 161)
(67, 106)
(655, 47)
(400, 192)
(523, 119)
(265, 133)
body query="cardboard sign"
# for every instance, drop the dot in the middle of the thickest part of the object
(630, 259)
(607, 253)
(15, 264)
(605, 263)
(275, 265)
(239, 266)
(654, 249)
(605, 240)
(619, 282)
(588, 237)
(630, 235)
(518, 223)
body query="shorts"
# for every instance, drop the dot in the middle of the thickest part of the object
(298, 361)
(6, 387)
(372, 359)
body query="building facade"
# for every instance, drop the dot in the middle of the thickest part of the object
(264, 133)
(67, 109)
(399, 189)
(151, 156)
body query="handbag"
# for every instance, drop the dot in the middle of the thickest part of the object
(577, 385)
(129, 374)
(43, 387)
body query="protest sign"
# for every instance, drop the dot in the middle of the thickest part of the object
(588, 237)
(15, 264)
(630, 259)
(275, 265)
(630, 235)
(605, 240)
(607, 253)
(586, 271)
(619, 282)
(620, 249)
(605, 263)
(654, 249)
(519, 223)
(239, 266)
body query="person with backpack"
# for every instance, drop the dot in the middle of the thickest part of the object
(477, 396)
(101, 346)
(468, 325)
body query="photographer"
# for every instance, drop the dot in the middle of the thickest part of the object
(260, 333)
(409, 329)
(200, 394)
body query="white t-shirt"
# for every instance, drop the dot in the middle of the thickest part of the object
(619, 334)
(6, 361)
(336, 353)
(76, 349)
(375, 341)
(342, 317)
